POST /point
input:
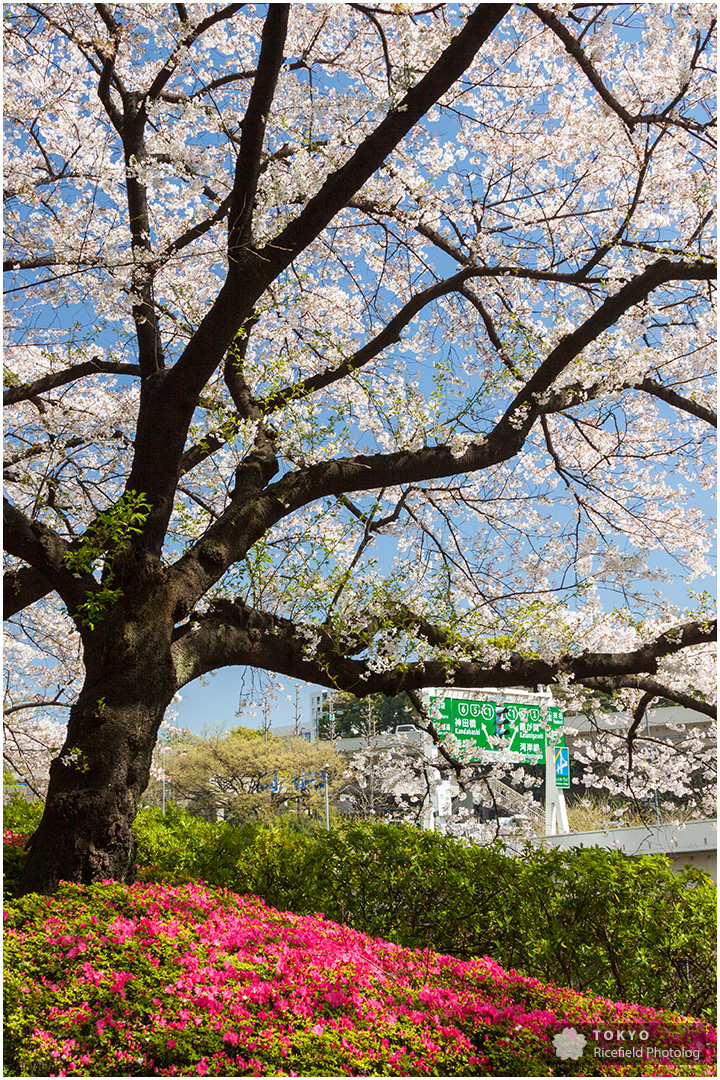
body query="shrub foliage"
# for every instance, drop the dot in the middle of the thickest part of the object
(592, 920)
(162, 980)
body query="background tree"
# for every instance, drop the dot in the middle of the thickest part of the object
(371, 347)
(42, 675)
(242, 775)
(376, 713)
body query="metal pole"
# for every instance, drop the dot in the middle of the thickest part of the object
(655, 794)
(556, 818)
(327, 802)
(163, 779)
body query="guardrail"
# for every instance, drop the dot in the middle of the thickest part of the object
(689, 843)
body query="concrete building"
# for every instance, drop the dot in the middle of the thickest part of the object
(319, 699)
(671, 722)
(286, 731)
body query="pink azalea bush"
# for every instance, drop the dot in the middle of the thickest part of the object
(155, 980)
(13, 839)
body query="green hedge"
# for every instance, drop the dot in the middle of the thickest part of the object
(590, 919)
(21, 816)
(20, 819)
(594, 920)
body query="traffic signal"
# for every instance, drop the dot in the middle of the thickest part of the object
(502, 723)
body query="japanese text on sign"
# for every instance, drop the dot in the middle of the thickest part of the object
(496, 728)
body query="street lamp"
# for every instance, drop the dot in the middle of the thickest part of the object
(178, 751)
(326, 768)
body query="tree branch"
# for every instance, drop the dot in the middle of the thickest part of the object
(347, 181)
(576, 277)
(694, 408)
(45, 551)
(575, 49)
(233, 633)
(366, 472)
(30, 264)
(378, 26)
(23, 587)
(107, 73)
(389, 335)
(247, 169)
(228, 539)
(167, 406)
(661, 272)
(165, 74)
(27, 391)
(653, 689)
(55, 702)
(195, 231)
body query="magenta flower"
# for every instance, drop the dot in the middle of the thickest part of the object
(254, 991)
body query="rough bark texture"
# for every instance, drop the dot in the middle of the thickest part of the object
(86, 833)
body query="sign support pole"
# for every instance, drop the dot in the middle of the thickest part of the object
(428, 816)
(556, 819)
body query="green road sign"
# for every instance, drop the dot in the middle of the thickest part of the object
(480, 724)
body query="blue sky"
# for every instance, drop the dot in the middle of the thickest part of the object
(217, 702)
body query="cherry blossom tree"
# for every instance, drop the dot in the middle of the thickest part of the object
(366, 345)
(43, 665)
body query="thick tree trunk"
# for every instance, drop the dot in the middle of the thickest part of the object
(86, 833)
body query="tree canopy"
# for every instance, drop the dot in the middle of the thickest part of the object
(369, 346)
(242, 775)
(347, 716)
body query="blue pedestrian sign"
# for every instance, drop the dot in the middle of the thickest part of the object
(562, 766)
